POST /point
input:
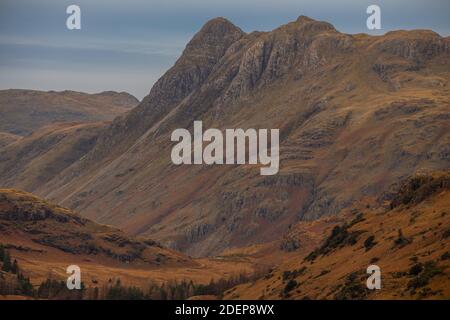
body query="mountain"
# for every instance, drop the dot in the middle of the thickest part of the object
(24, 111)
(356, 114)
(45, 239)
(409, 241)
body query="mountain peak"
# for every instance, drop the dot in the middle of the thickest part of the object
(219, 27)
(311, 24)
(219, 21)
(214, 38)
(304, 19)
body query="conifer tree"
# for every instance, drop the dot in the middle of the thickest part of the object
(6, 262)
(15, 267)
(2, 252)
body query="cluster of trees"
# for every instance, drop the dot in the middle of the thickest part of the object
(115, 290)
(12, 280)
(172, 290)
(54, 289)
(5, 258)
(219, 287)
(120, 292)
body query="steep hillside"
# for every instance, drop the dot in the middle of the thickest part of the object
(8, 138)
(24, 111)
(46, 239)
(35, 159)
(409, 241)
(356, 113)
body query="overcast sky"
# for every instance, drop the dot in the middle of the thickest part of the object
(126, 45)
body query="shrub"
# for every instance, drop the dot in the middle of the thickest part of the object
(291, 285)
(359, 218)
(446, 234)
(340, 237)
(374, 260)
(446, 256)
(293, 274)
(353, 288)
(401, 239)
(369, 243)
(429, 270)
(416, 269)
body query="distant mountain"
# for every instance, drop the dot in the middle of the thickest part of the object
(356, 114)
(409, 241)
(24, 111)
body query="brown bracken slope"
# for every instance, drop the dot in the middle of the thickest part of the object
(409, 240)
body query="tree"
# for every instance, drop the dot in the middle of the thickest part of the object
(15, 267)
(26, 287)
(95, 294)
(2, 252)
(6, 262)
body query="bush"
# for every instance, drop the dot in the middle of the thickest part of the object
(293, 274)
(340, 237)
(446, 256)
(446, 234)
(359, 218)
(291, 285)
(353, 288)
(401, 239)
(423, 277)
(369, 243)
(416, 269)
